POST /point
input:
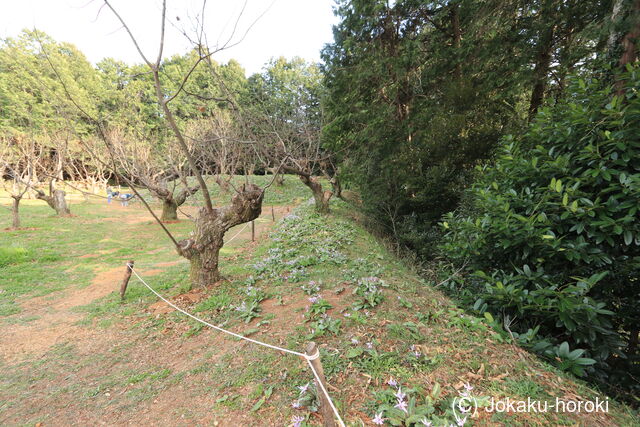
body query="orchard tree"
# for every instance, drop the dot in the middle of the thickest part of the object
(219, 144)
(17, 158)
(286, 118)
(37, 74)
(159, 168)
(52, 157)
(202, 248)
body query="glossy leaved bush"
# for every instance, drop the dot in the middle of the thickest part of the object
(550, 238)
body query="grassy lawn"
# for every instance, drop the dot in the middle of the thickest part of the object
(73, 353)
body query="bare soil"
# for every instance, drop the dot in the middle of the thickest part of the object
(26, 350)
(56, 320)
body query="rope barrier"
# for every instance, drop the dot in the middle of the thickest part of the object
(308, 358)
(238, 233)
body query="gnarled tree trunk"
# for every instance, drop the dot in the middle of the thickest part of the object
(171, 203)
(203, 247)
(169, 210)
(56, 201)
(321, 197)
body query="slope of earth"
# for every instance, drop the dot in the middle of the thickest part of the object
(382, 332)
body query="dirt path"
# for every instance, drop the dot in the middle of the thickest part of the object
(56, 320)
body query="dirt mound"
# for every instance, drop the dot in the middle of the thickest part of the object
(187, 299)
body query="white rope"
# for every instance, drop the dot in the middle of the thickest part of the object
(209, 324)
(237, 234)
(308, 358)
(314, 357)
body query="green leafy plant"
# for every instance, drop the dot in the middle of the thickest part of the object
(307, 398)
(549, 235)
(369, 289)
(568, 360)
(248, 311)
(399, 406)
(325, 324)
(311, 288)
(318, 307)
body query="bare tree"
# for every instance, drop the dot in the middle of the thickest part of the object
(161, 171)
(50, 165)
(202, 248)
(296, 149)
(286, 118)
(17, 163)
(90, 173)
(216, 141)
(55, 198)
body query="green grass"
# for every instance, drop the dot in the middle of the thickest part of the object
(60, 253)
(12, 255)
(64, 253)
(150, 376)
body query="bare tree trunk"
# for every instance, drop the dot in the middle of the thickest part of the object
(15, 212)
(60, 203)
(56, 201)
(202, 249)
(541, 72)
(321, 197)
(171, 201)
(207, 238)
(629, 47)
(336, 187)
(169, 210)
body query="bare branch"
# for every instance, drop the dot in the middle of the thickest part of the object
(133, 39)
(164, 12)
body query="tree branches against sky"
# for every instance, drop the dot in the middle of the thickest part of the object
(285, 27)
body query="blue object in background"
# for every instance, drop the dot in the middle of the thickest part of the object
(124, 199)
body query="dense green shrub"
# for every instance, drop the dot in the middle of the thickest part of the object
(551, 236)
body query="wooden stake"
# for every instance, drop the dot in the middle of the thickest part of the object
(325, 408)
(273, 215)
(125, 281)
(253, 231)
